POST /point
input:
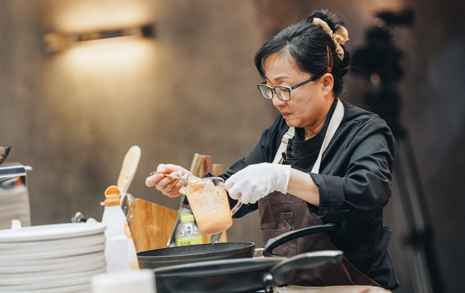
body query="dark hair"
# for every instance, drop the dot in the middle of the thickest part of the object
(306, 43)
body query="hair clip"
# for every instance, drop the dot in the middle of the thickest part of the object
(330, 56)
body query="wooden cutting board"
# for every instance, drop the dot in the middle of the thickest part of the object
(151, 225)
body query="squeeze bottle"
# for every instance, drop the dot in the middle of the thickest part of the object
(120, 252)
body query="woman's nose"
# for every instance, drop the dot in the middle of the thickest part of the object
(277, 101)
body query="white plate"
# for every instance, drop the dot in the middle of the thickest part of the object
(11, 278)
(77, 288)
(51, 245)
(50, 261)
(51, 254)
(48, 232)
(49, 282)
(63, 264)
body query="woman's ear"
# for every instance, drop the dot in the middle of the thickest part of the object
(328, 83)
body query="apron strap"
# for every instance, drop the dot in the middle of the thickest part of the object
(282, 147)
(332, 127)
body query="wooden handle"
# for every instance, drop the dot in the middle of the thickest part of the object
(207, 160)
(217, 169)
(195, 166)
(200, 165)
(128, 170)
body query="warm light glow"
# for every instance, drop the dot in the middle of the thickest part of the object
(100, 68)
(88, 15)
(56, 42)
(119, 53)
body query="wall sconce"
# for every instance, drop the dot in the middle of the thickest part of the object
(56, 42)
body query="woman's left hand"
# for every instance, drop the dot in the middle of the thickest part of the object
(257, 181)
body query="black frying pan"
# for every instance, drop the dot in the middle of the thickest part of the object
(237, 275)
(157, 258)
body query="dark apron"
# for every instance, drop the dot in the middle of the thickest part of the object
(280, 213)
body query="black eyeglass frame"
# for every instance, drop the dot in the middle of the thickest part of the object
(289, 89)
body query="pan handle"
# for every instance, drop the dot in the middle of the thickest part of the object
(291, 235)
(278, 274)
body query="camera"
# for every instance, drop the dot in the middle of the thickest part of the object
(379, 64)
(403, 17)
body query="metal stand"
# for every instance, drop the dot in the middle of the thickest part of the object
(379, 64)
(426, 277)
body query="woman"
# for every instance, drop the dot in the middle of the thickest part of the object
(321, 161)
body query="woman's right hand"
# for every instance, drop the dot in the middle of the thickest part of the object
(167, 185)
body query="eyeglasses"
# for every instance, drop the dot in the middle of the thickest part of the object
(284, 92)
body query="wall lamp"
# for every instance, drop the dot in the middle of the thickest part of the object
(56, 42)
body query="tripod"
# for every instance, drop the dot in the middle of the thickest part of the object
(409, 199)
(380, 66)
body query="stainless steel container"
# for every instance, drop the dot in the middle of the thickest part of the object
(14, 195)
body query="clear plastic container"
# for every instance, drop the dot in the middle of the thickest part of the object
(208, 200)
(187, 232)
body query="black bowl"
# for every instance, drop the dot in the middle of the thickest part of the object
(4, 150)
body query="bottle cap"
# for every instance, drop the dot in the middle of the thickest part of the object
(113, 196)
(187, 218)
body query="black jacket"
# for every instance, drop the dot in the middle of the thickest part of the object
(354, 183)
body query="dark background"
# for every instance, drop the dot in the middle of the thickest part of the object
(72, 116)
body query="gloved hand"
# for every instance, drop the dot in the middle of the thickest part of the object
(257, 181)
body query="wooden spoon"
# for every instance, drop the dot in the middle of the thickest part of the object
(128, 170)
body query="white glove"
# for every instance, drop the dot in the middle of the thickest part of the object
(257, 181)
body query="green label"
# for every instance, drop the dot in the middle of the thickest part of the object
(184, 242)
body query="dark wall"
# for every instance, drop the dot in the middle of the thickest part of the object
(73, 115)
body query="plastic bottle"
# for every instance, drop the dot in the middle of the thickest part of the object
(187, 232)
(120, 252)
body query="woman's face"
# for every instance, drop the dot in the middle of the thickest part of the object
(309, 103)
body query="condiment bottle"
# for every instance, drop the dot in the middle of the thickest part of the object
(120, 252)
(187, 232)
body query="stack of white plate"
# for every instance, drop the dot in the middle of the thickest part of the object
(51, 258)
